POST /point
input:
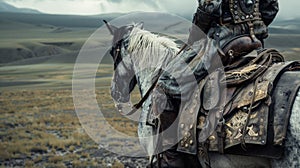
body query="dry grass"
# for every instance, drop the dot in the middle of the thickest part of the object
(41, 128)
(117, 164)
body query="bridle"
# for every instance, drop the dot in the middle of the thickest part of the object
(116, 53)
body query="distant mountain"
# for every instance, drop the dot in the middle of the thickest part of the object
(285, 26)
(5, 7)
(73, 21)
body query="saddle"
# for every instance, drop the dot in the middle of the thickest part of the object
(252, 123)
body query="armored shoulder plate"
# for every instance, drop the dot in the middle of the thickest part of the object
(244, 10)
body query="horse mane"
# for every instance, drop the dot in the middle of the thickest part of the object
(150, 49)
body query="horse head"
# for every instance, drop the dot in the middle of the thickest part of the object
(124, 78)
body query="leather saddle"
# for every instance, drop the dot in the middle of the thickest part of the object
(244, 92)
(236, 77)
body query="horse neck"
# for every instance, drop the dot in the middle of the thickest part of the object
(149, 53)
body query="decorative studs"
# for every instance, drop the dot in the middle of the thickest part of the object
(250, 93)
(182, 126)
(230, 53)
(249, 2)
(191, 142)
(186, 145)
(182, 143)
(212, 138)
(240, 15)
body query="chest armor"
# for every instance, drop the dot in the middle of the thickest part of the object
(244, 10)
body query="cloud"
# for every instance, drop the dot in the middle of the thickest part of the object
(79, 7)
(124, 6)
(103, 6)
(152, 3)
(179, 7)
(128, 4)
(288, 8)
(114, 1)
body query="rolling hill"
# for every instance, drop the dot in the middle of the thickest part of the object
(29, 34)
(5, 7)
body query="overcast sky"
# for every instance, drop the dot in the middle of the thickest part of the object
(288, 8)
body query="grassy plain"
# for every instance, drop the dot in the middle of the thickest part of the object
(39, 125)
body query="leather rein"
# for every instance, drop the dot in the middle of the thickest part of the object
(138, 105)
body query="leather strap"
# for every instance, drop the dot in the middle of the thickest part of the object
(144, 98)
(221, 136)
(203, 156)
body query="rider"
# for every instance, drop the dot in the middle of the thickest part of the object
(224, 22)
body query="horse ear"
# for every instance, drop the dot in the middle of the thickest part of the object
(110, 27)
(140, 25)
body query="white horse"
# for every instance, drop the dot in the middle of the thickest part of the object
(138, 57)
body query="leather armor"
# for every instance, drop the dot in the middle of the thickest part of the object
(231, 18)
